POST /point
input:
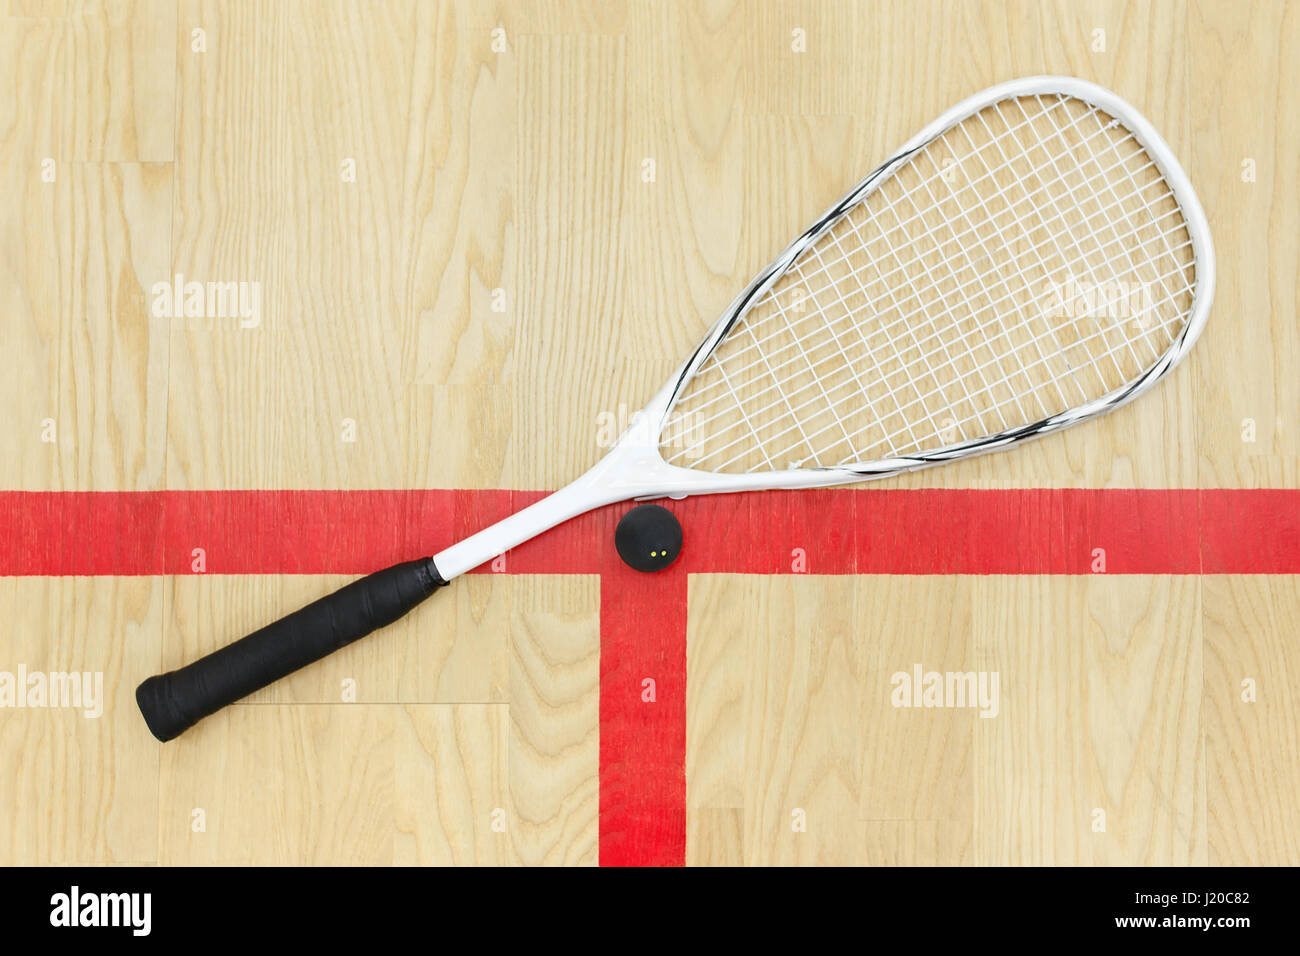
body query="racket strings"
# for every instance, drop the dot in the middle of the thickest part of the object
(847, 313)
(1029, 259)
(935, 332)
(894, 441)
(815, 249)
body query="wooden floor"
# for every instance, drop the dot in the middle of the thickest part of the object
(475, 228)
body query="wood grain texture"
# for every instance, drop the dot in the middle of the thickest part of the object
(80, 785)
(475, 251)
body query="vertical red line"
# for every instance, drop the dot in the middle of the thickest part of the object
(642, 717)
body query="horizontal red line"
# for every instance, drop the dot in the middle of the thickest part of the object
(836, 531)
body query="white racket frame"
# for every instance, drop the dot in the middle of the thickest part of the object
(634, 467)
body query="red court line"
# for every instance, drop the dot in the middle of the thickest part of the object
(643, 717)
(643, 617)
(839, 531)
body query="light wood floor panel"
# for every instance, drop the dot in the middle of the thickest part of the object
(1252, 720)
(570, 192)
(1243, 112)
(321, 790)
(1101, 722)
(89, 400)
(555, 721)
(1095, 731)
(453, 794)
(773, 721)
(918, 764)
(80, 786)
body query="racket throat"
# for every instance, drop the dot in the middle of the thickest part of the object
(630, 470)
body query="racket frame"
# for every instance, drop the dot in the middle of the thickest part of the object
(635, 468)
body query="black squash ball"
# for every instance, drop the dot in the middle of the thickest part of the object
(648, 538)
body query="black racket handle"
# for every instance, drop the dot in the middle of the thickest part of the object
(175, 701)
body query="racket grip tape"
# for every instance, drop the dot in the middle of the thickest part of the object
(173, 702)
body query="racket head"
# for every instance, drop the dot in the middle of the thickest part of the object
(1033, 258)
